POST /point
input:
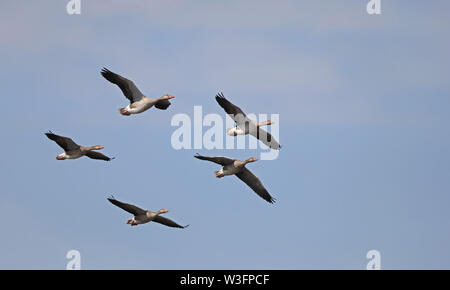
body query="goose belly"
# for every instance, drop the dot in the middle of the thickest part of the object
(236, 131)
(142, 219)
(140, 106)
(229, 170)
(139, 109)
(73, 154)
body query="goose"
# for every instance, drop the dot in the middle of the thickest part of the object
(73, 151)
(237, 167)
(144, 216)
(138, 102)
(246, 126)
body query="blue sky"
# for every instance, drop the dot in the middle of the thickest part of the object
(364, 112)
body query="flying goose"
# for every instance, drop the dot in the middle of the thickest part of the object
(246, 126)
(237, 167)
(73, 151)
(138, 102)
(144, 216)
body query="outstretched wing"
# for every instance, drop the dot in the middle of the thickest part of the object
(162, 104)
(97, 155)
(127, 86)
(167, 222)
(64, 142)
(136, 211)
(265, 137)
(234, 111)
(219, 160)
(254, 183)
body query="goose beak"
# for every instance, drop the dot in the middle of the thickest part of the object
(171, 97)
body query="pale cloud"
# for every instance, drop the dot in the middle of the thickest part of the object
(320, 16)
(252, 50)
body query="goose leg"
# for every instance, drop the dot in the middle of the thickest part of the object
(219, 173)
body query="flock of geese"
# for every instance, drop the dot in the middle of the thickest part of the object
(140, 103)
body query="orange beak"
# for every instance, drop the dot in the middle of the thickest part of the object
(171, 97)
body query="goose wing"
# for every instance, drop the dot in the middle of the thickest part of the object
(219, 160)
(129, 89)
(97, 155)
(134, 210)
(162, 104)
(64, 142)
(254, 183)
(232, 110)
(265, 137)
(167, 222)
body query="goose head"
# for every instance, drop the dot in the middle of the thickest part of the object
(265, 123)
(163, 210)
(97, 147)
(167, 97)
(252, 159)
